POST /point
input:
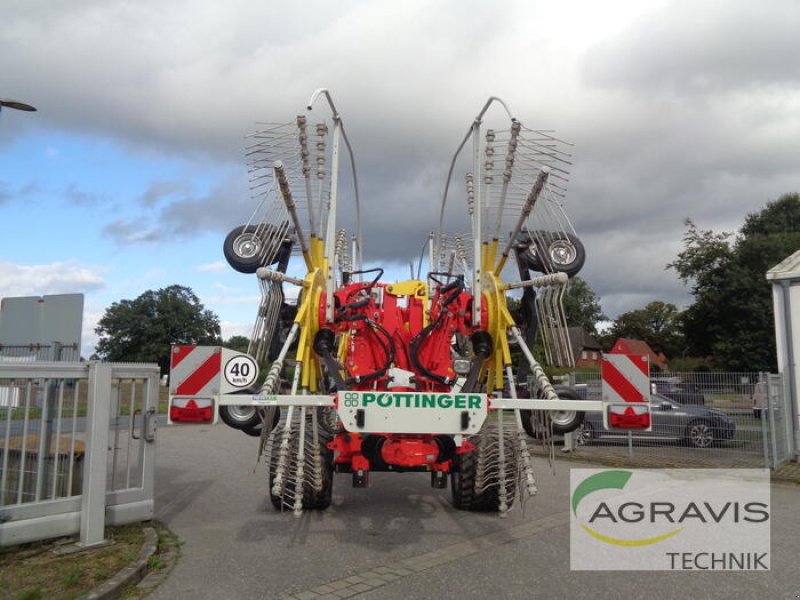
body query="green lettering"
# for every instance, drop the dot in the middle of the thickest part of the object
(474, 401)
(429, 401)
(384, 400)
(367, 399)
(461, 401)
(445, 401)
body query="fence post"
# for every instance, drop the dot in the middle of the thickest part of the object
(93, 500)
(764, 440)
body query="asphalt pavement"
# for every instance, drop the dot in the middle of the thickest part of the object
(401, 539)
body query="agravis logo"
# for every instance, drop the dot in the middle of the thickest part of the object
(603, 481)
(645, 519)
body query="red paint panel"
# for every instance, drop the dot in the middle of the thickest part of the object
(201, 376)
(178, 354)
(620, 383)
(642, 362)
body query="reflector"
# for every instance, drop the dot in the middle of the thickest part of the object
(191, 410)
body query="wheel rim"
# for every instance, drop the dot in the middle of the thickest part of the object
(562, 252)
(241, 413)
(246, 245)
(562, 417)
(701, 435)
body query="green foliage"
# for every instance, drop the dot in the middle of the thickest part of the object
(660, 324)
(32, 594)
(780, 216)
(72, 577)
(582, 306)
(141, 330)
(732, 317)
(239, 343)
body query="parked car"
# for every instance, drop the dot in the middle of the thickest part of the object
(675, 389)
(700, 427)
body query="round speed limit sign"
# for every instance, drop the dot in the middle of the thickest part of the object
(241, 371)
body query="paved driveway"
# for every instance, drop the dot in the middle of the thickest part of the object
(400, 539)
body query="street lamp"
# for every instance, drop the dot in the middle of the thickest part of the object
(9, 103)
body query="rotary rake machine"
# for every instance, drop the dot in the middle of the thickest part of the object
(414, 375)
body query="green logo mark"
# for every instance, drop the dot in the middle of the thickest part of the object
(611, 480)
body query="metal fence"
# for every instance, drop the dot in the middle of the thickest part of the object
(76, 448)
(40, 352)
(698, 420)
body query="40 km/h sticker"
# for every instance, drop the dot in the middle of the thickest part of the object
(241, 371)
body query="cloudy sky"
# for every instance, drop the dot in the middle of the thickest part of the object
(132, 172)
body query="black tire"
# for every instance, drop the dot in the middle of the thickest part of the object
(320, 500)
(312, 499)
(556, 252)
(700, 434)
(465, 494)
(527, 422)
(244, 248)
(239, 417)
(462, 480)
(566, 421)
(255, 430)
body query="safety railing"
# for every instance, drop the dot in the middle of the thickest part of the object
(698, 420)
(76, 448)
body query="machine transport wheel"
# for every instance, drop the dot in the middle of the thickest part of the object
(245, 248)
(255, 430)
(565, 421)
(312, 499)
(246, 418)
(529, 425)
(470, 493)
(242, 249)
(239, 417)
(562, 421)
(556, 252)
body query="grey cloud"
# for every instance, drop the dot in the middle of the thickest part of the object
(689, 112)
(7, 194)
(131, 231)
(78, 197)
(160, 190)
(224, 207)
(703, 47)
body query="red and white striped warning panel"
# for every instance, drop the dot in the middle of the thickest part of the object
(195, 370)
(626, 378)
(626, 391)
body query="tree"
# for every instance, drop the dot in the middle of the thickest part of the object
(582, 306)
(239, 343)
(141, 330)
(732, 316)
(659, 324)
